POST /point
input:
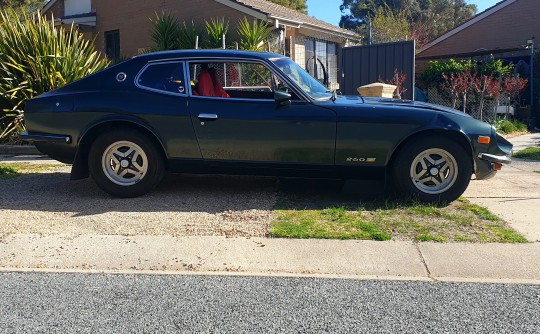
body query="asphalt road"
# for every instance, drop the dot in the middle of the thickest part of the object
(100, 303)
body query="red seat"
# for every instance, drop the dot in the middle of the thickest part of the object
(209, 84)
(218, 87)
(205, 85)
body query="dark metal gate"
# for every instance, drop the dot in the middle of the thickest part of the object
(362, 65)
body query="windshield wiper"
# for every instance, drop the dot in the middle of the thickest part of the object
(334, 95)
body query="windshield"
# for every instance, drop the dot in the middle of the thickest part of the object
(306, 82)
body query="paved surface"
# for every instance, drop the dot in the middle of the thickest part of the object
(514, 193)
(102, 303)
(528, 140)
(516, 263)
(19, 149)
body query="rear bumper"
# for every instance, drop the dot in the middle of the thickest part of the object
(58, 147)
(45, 137)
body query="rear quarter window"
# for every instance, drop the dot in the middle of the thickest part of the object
(163, 77)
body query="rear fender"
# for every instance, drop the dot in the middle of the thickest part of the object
(80, 164)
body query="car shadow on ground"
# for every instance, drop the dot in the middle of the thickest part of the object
(54, 192)
(305, 194)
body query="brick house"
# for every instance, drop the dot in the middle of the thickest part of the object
(501, 30)
(121, 28)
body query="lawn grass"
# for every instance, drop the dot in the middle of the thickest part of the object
(15, 169)
(310, 216)
(531, 153)
(8, 172)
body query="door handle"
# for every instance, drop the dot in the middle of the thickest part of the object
(208, 117)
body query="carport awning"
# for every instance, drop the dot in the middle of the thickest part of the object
(86, 19)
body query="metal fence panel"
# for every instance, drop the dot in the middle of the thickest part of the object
(362, 65)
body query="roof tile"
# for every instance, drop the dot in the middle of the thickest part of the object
(270, 8)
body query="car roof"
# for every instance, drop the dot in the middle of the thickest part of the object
(208, 53)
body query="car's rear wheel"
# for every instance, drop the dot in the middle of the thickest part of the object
(432, 169)
(125, 163)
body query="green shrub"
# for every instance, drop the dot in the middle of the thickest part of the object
(168, 34)
(433, 74)
(36, 57)
(507, 126)
(165, 32)
(253, 36)
(216, 29)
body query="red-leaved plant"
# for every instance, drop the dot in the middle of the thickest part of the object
(458, 84)
(486, 86)
(397, 80)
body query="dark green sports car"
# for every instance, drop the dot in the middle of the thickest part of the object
(231, 112)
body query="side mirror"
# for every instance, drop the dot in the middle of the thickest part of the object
(283, 98)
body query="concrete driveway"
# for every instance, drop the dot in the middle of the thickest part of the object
(514, 193)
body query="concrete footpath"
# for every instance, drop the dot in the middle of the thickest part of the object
(498, 263)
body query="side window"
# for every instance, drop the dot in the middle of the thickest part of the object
(164, 77)
(242, 80)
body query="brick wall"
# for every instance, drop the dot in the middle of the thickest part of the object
(507, 28)
(132, 19)
(56, 10)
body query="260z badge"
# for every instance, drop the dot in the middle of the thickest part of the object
(361, 159)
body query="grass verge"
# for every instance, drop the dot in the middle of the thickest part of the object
(531, 153)
(305, 216)
(15, 169)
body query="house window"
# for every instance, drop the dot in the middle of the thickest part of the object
(112, 44)
(76, 7)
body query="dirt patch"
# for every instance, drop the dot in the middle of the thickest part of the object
(50, 204)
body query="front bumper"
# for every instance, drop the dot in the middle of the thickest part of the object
(499, 159)
(498, 154)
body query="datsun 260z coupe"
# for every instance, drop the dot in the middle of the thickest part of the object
(232, 112)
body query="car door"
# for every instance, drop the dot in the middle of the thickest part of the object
(242, 122)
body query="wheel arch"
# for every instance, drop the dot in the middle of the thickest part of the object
(80, 164)
(459, 137)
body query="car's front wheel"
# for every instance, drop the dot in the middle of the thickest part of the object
(125, 163)
(432, 169)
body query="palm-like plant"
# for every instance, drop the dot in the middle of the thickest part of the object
(252, 37)
(216, 30)
(188, 35)
(165, 32)
(36, 57)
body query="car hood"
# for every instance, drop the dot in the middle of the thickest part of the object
(406, 104)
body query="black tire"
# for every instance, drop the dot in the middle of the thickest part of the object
(441, 173)
(136, 173)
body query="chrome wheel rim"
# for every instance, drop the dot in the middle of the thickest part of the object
(124, 163)
(434, 171)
